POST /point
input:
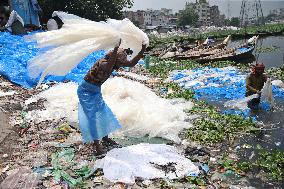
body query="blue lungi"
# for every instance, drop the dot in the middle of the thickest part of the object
(96, 120)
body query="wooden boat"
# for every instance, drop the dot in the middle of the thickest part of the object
(197, 53)
(243, 51)
(173, 51)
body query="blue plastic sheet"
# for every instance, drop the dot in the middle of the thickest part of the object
(26, 9)
(15, 53)
(219, 85)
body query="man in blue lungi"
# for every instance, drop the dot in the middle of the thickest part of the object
(96, 120)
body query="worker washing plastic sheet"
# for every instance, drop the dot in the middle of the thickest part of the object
(141, 112)
(220, 85)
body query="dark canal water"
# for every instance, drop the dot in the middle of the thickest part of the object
(270, 59)
(273, 121)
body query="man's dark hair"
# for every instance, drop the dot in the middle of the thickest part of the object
(5, 10)
(128, 51)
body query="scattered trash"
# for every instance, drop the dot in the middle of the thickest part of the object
(36, 159)
(5, 169)
(61, 163)
(213, 159)
(147, 183)
(247, 146)
(22, 178)
(218, 177)
(205, 168)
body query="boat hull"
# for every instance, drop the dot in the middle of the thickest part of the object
(233, 57)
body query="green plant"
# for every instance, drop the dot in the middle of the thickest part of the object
(270, 161)
(267, 49)
(277, 73)
(213, 127)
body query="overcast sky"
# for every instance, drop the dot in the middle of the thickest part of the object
(234, 5)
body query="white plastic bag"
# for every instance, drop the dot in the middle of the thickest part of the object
(266, 93)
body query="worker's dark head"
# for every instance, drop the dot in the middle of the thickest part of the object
(5, 11)
(4, 15)
(108, 55)
(128, 51)
(259, 68)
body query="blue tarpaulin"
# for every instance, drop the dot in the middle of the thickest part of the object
(15, 53)
(28, 10)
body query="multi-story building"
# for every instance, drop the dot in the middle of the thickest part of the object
(151, 17)
(147, 18)
(215, 16)
(203, 11)
(206, 15)
(159, 19)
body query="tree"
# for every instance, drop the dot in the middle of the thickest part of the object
(187, 17)
(235, 21)
(97, 10)
(227, 22)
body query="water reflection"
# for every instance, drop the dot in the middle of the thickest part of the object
(270, 59)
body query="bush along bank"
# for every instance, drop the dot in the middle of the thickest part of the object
(277, 73)
(266, 30)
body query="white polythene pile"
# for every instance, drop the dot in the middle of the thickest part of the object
(11, 93)
(139, 110)
(144, 161)
(142, 112)
(61, 102)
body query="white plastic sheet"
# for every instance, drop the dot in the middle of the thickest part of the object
(266, 92)
(77, 39)
(278, 83)
(126, 164)
(139, 110)
(240, 103)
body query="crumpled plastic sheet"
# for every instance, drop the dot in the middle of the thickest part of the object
(219, 84)
(77, 39)
(15, 53)
(140, 112)
(146, 161)
(240, 103)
